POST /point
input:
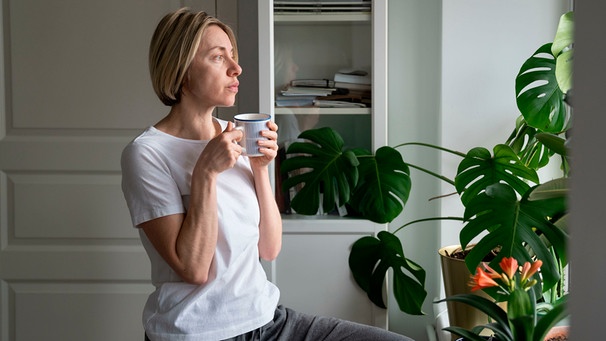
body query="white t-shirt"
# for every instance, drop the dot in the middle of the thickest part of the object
(156, 178)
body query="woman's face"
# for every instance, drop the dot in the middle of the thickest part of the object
(212, 78)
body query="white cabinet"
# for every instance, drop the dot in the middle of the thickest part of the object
(312, 270)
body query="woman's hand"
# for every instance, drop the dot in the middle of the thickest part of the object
(222, 152)
(269, 147)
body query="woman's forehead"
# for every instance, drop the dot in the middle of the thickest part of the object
(214, 37)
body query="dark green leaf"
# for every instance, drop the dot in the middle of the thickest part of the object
(383, 186)
(539, 97)
(485, 305)
(555, 143)
(511, 226)
(323, 169)
(479, 170)
(468, 335)
(526, 143)
(369, 261)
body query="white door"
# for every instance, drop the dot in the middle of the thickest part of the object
(74, 89)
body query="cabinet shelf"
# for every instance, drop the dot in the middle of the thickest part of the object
(322, 111)
(328, 224)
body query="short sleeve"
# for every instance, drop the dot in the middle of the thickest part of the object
(148, 187)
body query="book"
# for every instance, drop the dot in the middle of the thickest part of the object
(353, 86)
(315, 83)
(307, 91)
(295, 101)
(352, 78)
(337, 104)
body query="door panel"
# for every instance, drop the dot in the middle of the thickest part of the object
(77, 311)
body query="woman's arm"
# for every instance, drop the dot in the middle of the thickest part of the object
(187, 242)
(270, 225)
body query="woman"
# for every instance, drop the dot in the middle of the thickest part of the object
(205, 213)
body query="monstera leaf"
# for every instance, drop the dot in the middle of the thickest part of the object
(375, 186)
(526, 143)
(539, 97)
(327, 171)
(369, 261)
(562, 49)
(511, 226)
(383, 186)
(479, 170)
(535, 148)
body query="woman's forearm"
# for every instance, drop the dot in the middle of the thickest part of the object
(270, 224)
(197, 240)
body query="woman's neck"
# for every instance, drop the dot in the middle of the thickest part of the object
(189, 124)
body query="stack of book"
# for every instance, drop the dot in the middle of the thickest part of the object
(357, 84)
(301, 95)
(348, 90)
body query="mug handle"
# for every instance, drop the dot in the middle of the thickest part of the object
(241, 128)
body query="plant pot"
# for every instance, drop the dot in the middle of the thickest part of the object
(557, 333)
(456, 281)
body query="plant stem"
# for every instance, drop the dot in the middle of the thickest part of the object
(428, 145)
(432, 146)
(441, 177)
(426, 219)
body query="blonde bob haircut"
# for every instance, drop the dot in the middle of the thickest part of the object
(173, 47)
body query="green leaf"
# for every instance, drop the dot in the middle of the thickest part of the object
(485, 305)
(524, 142)
(564, 37)
(464, 333)
(511, 227)
(369, 261)
(519, 305)
(328, 171)
(383, 187)
(562, 48)
(555, 143)
(479, 170)
(563, 71)
(539, 98)
(549, 320)
(556, 188)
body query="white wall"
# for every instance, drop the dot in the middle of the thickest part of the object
(414, 114)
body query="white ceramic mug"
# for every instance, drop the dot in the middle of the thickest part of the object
(251, 125)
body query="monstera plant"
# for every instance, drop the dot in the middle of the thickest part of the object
(507, 209)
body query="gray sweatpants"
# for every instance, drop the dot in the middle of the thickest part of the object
(290, 325)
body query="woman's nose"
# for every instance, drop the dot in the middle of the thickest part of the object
(235, 69)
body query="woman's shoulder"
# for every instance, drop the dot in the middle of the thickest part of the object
(148, 143)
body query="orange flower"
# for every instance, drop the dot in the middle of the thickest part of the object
(528, 270)
(509, 266)
(482, 280)
(491, 272)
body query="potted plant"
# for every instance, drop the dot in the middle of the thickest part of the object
(522, 320)
(507, 209)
